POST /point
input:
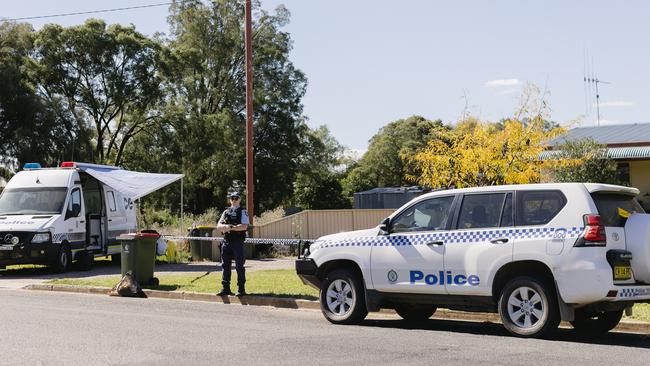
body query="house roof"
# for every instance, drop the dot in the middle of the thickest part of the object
(616, 153)
(631, 134)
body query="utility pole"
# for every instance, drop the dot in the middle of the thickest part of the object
(249, 111)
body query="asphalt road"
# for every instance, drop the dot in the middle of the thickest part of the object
(43, 328)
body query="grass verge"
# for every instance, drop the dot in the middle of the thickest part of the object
(280, 283)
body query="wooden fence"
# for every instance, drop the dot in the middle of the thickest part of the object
(313, 224)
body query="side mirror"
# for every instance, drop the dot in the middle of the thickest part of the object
(385, 226)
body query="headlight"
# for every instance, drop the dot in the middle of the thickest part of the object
(315, 246)
(41, 238)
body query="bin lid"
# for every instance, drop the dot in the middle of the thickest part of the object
(132, 236)
(127, 236)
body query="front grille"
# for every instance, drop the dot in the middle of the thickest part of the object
(23, 237)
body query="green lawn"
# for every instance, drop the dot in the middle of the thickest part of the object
(282, 283)
(641, 312)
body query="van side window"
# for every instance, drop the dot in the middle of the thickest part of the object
(428, 215)
(481, 211)
(75, 200)
(538, 207)
(111, 201)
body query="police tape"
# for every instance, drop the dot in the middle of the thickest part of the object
(255, 241)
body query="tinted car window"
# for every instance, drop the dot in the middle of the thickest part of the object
(538, 207)
(428, 215)
(507, 219)
(481, 210)
(614, 209)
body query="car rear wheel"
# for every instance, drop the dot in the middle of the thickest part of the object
(591, 322)
(528, 307)
(415, 312)
(342, 297)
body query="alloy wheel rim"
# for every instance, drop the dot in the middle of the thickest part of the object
(339, 297)
(64, 259)
(526, 308)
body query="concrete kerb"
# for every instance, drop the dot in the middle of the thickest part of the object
(292, 303)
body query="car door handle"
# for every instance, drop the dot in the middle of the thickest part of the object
(109, 220)
(436, 243)
(82, 222)
(499, 241)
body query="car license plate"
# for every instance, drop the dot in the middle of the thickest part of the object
(622, 273)
(6, 247)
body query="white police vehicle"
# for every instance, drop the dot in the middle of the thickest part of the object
(535, 254)
(74, 212)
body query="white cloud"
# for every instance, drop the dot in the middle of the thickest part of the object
(502, 82)
(617, 103)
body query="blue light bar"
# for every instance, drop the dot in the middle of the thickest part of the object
(32, 166)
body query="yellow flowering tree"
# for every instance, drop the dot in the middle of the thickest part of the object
(479, 154)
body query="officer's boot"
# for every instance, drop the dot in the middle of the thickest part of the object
(241, 291)
(225, 291)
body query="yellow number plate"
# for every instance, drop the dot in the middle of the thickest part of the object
(622, 273)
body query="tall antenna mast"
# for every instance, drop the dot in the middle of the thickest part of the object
(590, 79)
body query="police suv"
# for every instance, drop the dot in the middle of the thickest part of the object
(536, 254)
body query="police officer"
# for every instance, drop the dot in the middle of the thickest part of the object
(233, 224)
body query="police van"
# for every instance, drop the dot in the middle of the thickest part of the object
(74, 212)
(536, 254)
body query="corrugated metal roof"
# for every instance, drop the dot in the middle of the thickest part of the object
(617, 153)
(607, 135)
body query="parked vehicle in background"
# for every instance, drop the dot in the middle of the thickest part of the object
(55, 216)
(536, 254)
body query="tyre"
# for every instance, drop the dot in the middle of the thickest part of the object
(342, 297)
(591, 322)
(528, 307)
(63, 259)
(415, 312)
(85, 260)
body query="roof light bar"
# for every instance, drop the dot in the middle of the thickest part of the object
(68, 164)
(30, 166)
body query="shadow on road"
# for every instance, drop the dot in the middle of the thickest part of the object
(493, 329)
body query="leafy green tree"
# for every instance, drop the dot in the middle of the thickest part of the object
(207, 103)
(583, 161)
(106, 78)
(318, 182)
(29, 129)
(383, 164)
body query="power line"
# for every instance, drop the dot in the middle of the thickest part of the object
(92, 11)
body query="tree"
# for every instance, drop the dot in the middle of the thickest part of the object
(103, 77)
(206, 103)
(383, 165)
(479, 154)
(582, 161)
(318, 182)
(29, 129)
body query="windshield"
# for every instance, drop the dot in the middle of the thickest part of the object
(31, 201)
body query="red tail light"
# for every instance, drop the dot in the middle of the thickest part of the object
(594, 232)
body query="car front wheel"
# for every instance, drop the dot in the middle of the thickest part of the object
(342, 297)
(528, 307)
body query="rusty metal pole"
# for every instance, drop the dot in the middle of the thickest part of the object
(249, 112)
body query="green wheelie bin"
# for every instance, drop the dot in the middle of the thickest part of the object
(204, 249)
(139, 256)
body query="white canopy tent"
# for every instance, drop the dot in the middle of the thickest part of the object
(133, 185)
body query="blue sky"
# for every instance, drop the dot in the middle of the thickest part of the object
(371, 62)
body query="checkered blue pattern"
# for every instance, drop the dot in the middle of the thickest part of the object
(457, 236)
(634, 292)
